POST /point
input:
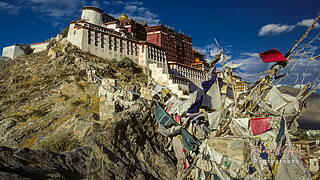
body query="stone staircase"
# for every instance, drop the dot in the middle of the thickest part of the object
(161, 76)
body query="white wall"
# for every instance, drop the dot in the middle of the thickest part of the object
(113, 26)
(15, 50)
(92, 16)
(39, 47)
(80, 38)
(12, 51)
(75, 36)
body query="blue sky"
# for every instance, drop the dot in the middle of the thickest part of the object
(242, 27)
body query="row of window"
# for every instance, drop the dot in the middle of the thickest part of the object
(156, 54)
(185, 72)
(113, 43)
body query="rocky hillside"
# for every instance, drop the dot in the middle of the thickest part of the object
(50, 126)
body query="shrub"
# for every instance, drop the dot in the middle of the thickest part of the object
(125, 63)
(39, 112)
(59, 142)
(129, 65)
(20, 118)
(82, 87)
(65, 97)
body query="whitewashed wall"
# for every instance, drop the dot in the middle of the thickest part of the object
(39, 47)
(12, 51)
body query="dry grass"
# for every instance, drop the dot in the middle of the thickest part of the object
(59, 142)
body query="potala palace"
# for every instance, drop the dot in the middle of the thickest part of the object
(167, 56)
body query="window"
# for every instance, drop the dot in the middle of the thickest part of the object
(89, 37)
(121, 45)
(96, 39)
(115, 44)
(102, 41)
(110, 43)
(128, 47)
(136, 50)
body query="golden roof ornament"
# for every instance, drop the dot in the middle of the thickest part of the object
(123, 17)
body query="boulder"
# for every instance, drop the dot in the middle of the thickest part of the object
(52, 54)
(231, 147)
(146, 93)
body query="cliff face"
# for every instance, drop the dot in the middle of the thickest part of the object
(50, 125)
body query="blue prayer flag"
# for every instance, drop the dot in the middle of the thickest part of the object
(206, 85)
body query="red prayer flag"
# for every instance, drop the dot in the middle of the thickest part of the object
(186, 164)
(168, 109)
(260, 125)
(272, 55)
(178, 119)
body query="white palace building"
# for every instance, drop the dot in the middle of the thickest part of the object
(111, 38)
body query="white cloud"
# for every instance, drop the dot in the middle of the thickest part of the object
(299, 86)
(58, 12)
(307, 23)
(251, 65)
(95, 3)
(130, 2)
(304, 70)
(57, 8)
(137, 2)
(106, 2)
(9, 8)
(209, 51)
(120, 2)
(137, 11)
(134, 8)
(254, 55)
(273, 29)
(214, 51)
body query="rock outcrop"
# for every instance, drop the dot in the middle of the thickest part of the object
(50, 125)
